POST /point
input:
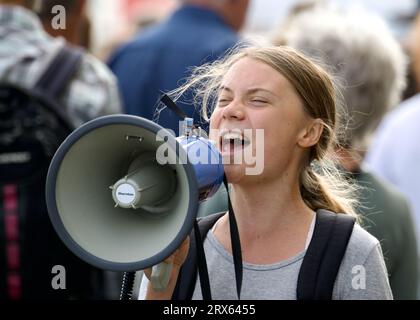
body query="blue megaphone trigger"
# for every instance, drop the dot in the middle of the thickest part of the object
(202, 153)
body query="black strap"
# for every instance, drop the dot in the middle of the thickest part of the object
(236, 253)
(196, 257)
(58, 74)
(172, 105)
(202, 264)
(235, 242)
(324, 255)
(188, 275)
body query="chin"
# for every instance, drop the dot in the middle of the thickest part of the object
(237, 174)
(234, 173)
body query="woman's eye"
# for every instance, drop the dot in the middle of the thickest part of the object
(259, 101)
(223, 102)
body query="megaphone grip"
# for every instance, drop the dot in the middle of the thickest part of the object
(160, 275)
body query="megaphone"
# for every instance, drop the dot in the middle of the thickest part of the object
(122, 192)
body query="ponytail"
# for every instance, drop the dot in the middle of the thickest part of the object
(327, 189)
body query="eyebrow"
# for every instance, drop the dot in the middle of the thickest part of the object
(250, 91)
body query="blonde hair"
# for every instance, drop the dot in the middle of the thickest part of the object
(322, 185)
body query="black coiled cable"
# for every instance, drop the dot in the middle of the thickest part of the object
(127, 286)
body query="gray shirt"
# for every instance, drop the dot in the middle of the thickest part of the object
(362, 274)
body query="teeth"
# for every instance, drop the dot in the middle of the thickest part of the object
(236, 137)
(232, 136)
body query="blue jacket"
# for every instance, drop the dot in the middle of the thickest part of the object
(161, 56)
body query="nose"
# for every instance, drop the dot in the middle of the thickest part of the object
(234, 111)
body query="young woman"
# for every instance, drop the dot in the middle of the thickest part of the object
(294, 101)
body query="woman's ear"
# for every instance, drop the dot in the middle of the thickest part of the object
(311, 134)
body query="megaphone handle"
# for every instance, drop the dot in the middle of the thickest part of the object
(160, 275)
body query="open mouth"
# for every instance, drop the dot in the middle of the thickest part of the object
(230, 141)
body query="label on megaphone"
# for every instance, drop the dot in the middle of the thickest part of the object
(125, 194)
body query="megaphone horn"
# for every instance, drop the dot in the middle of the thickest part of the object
(114, 204)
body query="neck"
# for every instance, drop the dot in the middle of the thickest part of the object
(229, 16)
(273, 221)
(268, 207)
(202, 4)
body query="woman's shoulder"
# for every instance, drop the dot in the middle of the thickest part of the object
(361, 242)
(362, 273)
(361, 248)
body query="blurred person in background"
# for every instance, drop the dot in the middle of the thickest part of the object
(31, 247)
(136, 28)
(26, 49)
(395, 151)
(363, 55)
(77, 30)
(411, 45)
(160, 57)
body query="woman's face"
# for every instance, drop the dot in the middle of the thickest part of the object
(253, 99)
